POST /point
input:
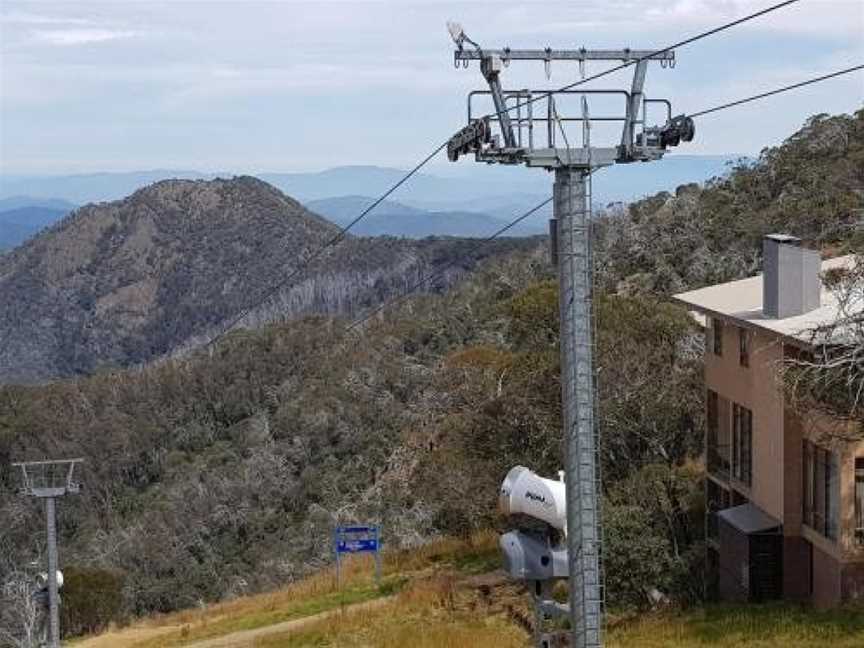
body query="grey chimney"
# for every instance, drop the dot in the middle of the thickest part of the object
(790, 282)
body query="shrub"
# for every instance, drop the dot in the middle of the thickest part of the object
(92, 598)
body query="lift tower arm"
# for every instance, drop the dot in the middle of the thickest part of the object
(490, 66)
(633, 105)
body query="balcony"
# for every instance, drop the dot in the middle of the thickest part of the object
(718, 460)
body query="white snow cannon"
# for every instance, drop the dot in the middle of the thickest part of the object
(529, 555)
(527, 493)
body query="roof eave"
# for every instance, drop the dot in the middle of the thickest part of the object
(789, 339)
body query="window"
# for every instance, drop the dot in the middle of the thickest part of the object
(743, 347)
(742, 443)
(717, 498)
(859, 500)
(822, 490)
(717, 336)
(717, 441)
(713, 417)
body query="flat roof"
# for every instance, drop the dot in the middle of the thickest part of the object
(749, 518)
(742, 301)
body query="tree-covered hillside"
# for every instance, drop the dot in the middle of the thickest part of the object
(123, 283)
(225, 471)
(811, 186)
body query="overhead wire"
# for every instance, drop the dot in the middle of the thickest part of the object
(776, 91)
(489, 239)
(304, 264)
(339, 236)
(440, 271)
(634, 61)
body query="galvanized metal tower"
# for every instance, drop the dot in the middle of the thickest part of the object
(508, 137)
(49, 480)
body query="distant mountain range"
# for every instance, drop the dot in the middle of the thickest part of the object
(463, 200)
(21, 217)
(395, 219)
(17, 202)
(89, 187)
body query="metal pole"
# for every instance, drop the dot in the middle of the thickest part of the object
(378, 556)
(53, 608)
(572, 210)
(539, 619)
(336, 551)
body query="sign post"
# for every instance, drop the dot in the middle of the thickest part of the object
(357, 539)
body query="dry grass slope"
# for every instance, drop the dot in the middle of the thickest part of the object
(755, 626)
(432, 613)
(429, 574)
(448, 594)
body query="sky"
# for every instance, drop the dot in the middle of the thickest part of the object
(251, 87)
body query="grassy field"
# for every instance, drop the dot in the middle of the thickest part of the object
(314, 595)
(448, 594)
(762, 626)
(432, 613)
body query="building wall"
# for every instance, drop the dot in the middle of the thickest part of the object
(852, 582)
(755, 387)
(827, 590)
(793, 478)
(840, 438)
(835, 570)
(796, 568)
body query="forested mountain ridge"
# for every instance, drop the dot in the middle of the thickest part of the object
(811, 186)
(224, 472)
(124, 282)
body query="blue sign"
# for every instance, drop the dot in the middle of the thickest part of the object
(358, 539)
(356, 546)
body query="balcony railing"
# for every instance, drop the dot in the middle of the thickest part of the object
(718, 460)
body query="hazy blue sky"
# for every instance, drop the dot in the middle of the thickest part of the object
(278, 86)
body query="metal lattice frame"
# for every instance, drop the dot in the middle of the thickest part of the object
(48, 478)
(572, 208)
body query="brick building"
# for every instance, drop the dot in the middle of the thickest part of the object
(784, 492)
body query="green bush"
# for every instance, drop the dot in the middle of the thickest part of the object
(92, 598)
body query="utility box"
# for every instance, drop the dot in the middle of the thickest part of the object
(751, 555)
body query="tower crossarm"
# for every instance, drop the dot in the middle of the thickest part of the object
(550, 54)
(515, 113)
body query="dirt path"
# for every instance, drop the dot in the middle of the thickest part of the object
(136, 635)
(130, 637)
(248, 637)
(125, 637)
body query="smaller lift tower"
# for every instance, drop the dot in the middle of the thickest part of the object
(524, 129)
(48, 480)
